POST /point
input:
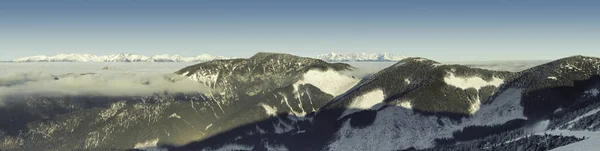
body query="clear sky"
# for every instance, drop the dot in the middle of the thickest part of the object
(436, 29)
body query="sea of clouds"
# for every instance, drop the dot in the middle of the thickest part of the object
(115, 84)
(60, 79)
(135, 79)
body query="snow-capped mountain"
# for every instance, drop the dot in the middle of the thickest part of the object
(121, 57)
(349, 57)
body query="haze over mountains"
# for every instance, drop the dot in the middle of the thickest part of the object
(274, 101)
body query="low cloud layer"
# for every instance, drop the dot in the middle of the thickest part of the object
(116, 84)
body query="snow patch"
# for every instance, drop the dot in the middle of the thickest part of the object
(471, 82)
(271, 111)
(593, 92)
(207, 79)
(553, 78)
(406, 104)
(368, 100)
(174, 115)
(558, 110)
(209, 125)
(149, 145)
(285, 100)
(330, 81)
(541, 126)
(474, 107)
(406, 81)
(420, 59)
(283, 127)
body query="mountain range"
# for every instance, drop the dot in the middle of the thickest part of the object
(123, 57)
(274, 101)
(350, 57)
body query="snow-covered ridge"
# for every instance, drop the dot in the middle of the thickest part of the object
(349, 57)
(121, 57)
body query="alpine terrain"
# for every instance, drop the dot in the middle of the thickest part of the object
(243, 91)
(274, 101)
(419, 104)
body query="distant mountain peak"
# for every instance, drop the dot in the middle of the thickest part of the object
(368, 57)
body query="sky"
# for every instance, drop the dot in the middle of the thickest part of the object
(442, 30)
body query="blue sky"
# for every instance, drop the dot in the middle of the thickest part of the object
(437, 29)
